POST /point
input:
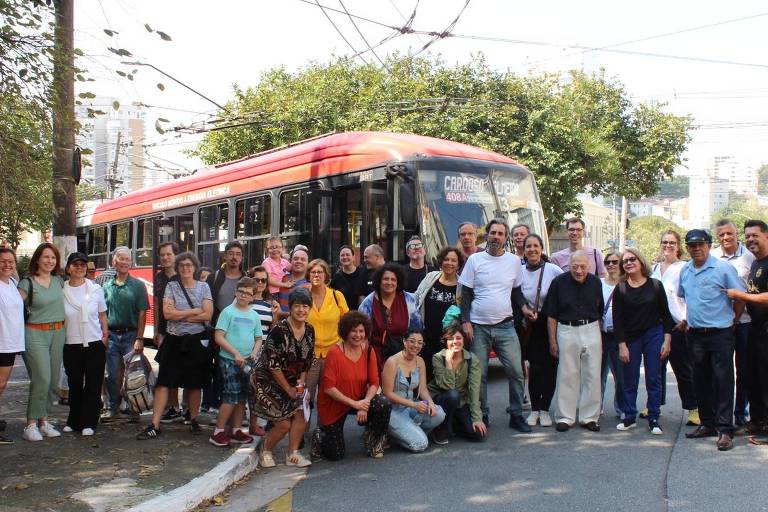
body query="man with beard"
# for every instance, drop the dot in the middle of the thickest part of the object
(297, 277)
(756, 298)
(490, 282)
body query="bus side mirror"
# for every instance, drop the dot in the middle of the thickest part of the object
(408, 207)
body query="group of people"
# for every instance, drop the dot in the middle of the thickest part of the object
(404, 348)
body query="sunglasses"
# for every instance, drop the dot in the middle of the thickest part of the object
(668, 242)
(611, 262)
(260, 280)
(631, 259)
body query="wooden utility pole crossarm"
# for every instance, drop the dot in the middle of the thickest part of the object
(64, 199)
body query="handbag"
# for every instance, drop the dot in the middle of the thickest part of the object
(527, 330)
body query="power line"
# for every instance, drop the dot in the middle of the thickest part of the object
(352, 20)
(444, 33)
(322, 8)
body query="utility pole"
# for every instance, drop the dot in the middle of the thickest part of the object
(64, 199)
(623, 225)
(112, 180)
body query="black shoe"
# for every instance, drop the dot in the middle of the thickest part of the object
(3, 424)
(439, 435)
(562, 426)
(486, 421)
(171, 415)
(5, 440)
(518, 423)
(148, 433)
(592, 426)
(702, 431)
(194, 427)
(187, 417)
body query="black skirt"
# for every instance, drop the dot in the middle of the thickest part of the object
(184, 361)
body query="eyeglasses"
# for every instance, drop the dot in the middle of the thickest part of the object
(316, 272)
(260, 280)
(611, 262)
(411, 247)
(418, 343)
(631, 259)
(668, 242)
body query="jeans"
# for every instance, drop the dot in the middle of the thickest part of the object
(742, 373)
(646, 349)
(757, 373)
(85, 372)
(458, 420)
(409, 428)
(119, 345)
(611, 362)
(712, 355)
(502, 338)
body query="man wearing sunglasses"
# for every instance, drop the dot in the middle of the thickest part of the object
(416, 269)
(711, 316)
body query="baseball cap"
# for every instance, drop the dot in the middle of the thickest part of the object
(77, 256)
(696, 236)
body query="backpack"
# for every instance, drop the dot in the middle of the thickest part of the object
(138, 382)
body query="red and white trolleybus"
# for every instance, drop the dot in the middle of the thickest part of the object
(355, 188)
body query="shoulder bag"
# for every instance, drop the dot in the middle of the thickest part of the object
(527, 330)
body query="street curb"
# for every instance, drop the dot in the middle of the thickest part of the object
(242, 462)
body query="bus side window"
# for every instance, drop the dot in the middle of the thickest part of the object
(144, 243)
(253, 217)
(213, 234)
(97, 246)
(296, 218)
(121, 235)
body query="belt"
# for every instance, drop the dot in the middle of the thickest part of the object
(50, 326)
(707, 330)
(121, 330)
(576, 323)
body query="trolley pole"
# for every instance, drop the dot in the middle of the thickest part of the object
(64, 198)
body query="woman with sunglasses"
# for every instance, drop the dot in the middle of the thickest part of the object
(611, 360)
(642, 326)
(414, 413)
(668, 272)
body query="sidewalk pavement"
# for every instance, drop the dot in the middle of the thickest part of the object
(110, 471)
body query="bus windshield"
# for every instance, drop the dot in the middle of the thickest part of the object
(450, 197)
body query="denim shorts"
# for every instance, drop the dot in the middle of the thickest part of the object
(234, 382)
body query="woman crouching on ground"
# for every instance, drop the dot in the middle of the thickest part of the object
(350, 385)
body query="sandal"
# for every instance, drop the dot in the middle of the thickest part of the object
(266, 460)
(257, 431)
(296, 458)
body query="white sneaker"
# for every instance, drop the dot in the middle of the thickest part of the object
(86, 432)
(32, 433)
(67, 429)
(545, 419)
(533, 418)
(48, 431)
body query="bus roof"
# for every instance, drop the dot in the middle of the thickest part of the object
(314, 158)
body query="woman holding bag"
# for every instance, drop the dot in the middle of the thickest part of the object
(542, 374)
(85, 350)
(184, 358)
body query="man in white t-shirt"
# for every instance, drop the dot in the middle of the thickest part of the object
(576, 228)
(488, 280)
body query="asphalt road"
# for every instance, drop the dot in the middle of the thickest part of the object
(546, 470)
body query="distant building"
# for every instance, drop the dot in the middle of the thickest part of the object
(116, 141)
(641, 209)
(708, 194)
(741, 180)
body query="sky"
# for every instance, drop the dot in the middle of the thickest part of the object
(719, 75)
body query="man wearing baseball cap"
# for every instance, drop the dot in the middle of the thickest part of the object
(704, 282)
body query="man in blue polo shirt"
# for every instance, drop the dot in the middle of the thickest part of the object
(704, 282)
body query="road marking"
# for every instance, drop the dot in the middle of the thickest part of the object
(282, 504)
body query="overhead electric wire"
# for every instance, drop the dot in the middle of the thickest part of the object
(338, 30)
(365, 40)
(444, 33)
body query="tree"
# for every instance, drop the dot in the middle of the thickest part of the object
(676, 188)
(646, 233)
(577, 134)
(762, 180)
(740, 211)
(25, 169)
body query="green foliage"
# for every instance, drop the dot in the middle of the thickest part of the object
(676, 188)
(762, 180)
(578, 133)
(646, 232)
(25, 169)
(88, 192)
(740, 210)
